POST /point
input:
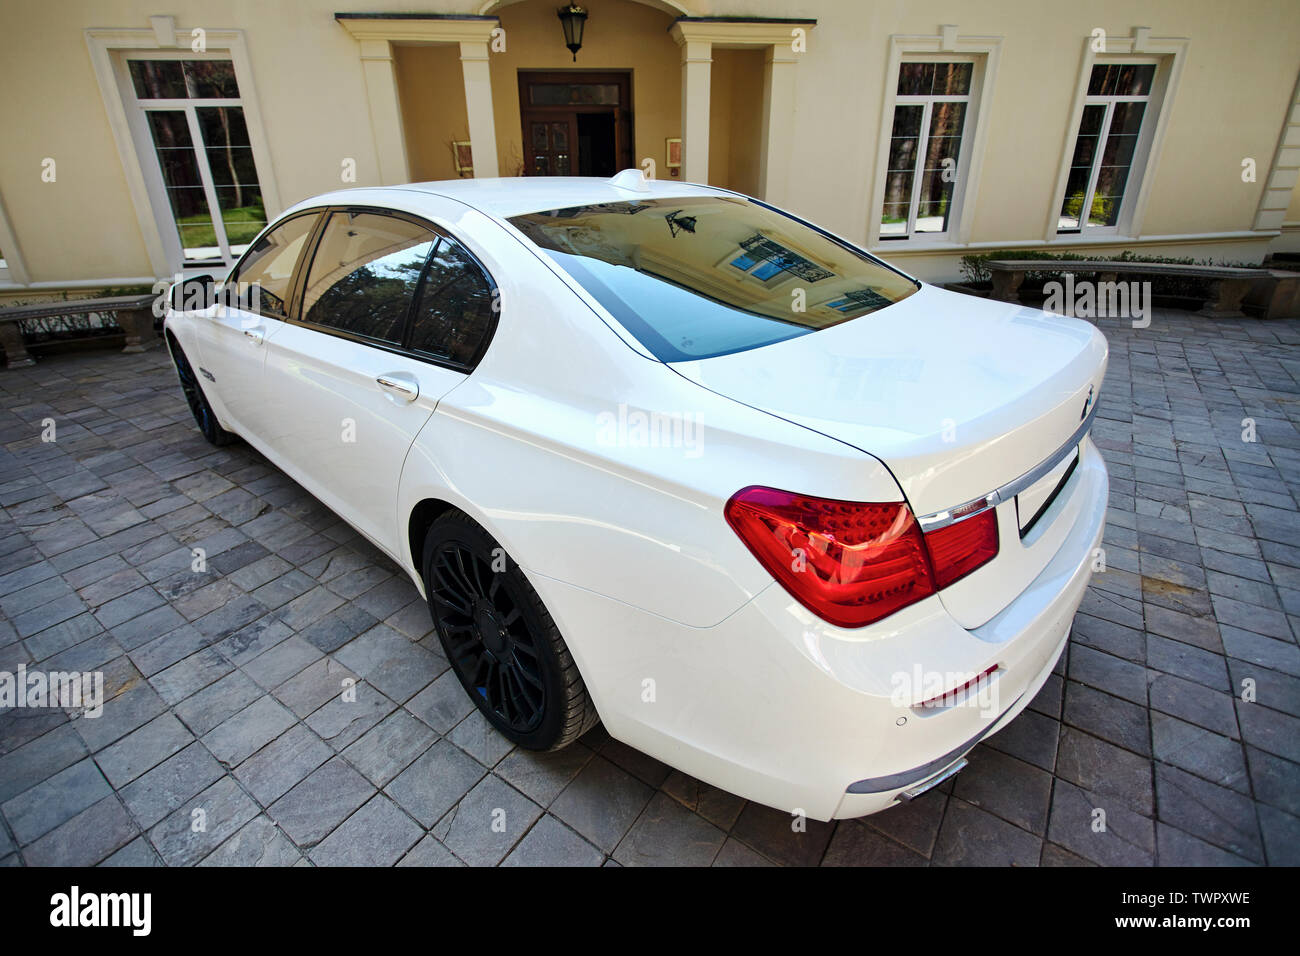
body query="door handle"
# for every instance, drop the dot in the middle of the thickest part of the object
(256, 336)
(400, 384)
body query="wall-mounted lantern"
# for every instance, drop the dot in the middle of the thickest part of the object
(573, 18)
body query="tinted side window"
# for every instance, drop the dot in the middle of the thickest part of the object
(364, 274)
(454, 313)
(263, 277)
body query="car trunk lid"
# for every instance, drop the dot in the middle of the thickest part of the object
(958, 396)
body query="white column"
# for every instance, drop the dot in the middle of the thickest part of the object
(385, 111)
(697, 73)
(478, 106)
(776, 154)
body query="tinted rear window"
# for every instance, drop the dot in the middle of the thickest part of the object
(696, 277)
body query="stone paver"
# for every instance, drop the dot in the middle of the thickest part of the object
(288, 704)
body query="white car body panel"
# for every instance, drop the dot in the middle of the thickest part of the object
(626, 542)
(225, 352)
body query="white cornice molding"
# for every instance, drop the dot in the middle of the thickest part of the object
(724, 33)
(413, 30)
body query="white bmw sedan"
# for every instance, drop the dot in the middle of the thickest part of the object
(665, 456)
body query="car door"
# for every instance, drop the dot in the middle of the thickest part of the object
(356, 375)
(249, 308)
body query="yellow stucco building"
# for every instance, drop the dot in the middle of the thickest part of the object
(141, 139)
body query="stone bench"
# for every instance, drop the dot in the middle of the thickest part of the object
(1229, 285)
(1278, 296)
(133, 314)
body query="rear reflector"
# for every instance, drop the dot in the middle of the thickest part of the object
(977, 683)
(853, 563)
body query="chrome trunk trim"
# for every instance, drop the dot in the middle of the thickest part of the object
(941, 519)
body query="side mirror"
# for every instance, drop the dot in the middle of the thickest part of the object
(191, 295)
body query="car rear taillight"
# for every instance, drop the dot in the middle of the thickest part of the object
(849, 562)
(957, 550)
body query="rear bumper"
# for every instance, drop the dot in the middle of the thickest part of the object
(779, 707)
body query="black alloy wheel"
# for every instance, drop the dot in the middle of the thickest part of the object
(194, 397)
(499, 639)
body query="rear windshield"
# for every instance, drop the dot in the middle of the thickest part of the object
(701, 276)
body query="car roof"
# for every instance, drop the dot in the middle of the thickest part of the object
(513, 196)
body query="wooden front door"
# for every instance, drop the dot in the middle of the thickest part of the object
(576, 123)
(550, 140)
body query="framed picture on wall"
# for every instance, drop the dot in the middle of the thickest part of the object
(464, 157)
(674, 152)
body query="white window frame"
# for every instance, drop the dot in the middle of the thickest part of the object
(1169, 54)
(1140, 151)
(138, 118)
(926, 102)
(110, 49)
(946, 47)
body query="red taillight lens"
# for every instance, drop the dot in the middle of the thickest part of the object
(957, 550)
(854, 563)
(848, 562)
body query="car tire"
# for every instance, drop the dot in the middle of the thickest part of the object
(501, 642)
(200, 407)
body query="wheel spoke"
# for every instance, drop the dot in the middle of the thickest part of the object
(531, 696)
(482, 670)
(462, 641)
(464, 574)
(448, 588)
(503, 701)
(489, 684)
(477, 564)
(526, 649)
(452, 565)
(524, 672)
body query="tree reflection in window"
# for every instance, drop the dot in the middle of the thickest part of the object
(454, 314)
(365, 274)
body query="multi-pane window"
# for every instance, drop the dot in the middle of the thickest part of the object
(195, 121)
(765, 259)
(1101, 167)
(931, 106)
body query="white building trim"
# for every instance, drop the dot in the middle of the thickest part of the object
(153, 212)
(1170, 53)
(944, 47)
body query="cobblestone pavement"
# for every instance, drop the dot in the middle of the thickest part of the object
(225, 740)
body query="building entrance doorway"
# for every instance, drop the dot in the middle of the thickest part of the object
(576, 123)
